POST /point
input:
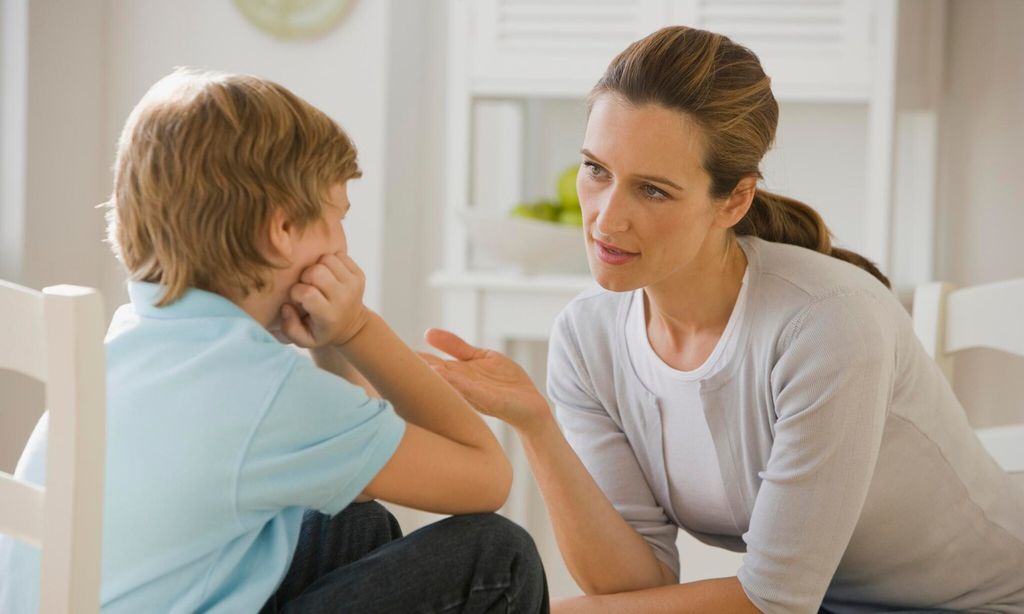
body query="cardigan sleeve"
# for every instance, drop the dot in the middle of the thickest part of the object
(602, 446)
(831, 386)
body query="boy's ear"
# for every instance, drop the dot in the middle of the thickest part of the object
(738, 202)
(280, 235)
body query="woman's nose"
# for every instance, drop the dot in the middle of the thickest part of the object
(612, 216)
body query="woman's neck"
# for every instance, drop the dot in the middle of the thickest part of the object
(696, 303)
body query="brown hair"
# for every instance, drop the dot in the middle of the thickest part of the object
(722, 87)
(203, 161)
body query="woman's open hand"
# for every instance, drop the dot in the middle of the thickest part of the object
(490, 381)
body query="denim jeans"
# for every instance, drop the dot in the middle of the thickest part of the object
(358, 561)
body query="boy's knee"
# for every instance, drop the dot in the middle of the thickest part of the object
(369, 520)
(502, 541)
(369, 510)
(499, 537)
(370, 514)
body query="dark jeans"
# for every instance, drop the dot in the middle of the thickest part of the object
(358, 561)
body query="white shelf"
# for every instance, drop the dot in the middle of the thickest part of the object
(511, 282)
(577, 89)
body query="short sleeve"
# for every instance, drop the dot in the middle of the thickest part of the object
(602, 446)
(831, 386)
(320, 443)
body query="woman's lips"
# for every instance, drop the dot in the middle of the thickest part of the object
(613, 255)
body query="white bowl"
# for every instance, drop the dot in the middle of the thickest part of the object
(526, 245)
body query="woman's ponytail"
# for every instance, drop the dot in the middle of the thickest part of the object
(777, 218)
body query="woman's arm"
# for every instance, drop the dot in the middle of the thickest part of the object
(604, 553)
(718, 595)
(606, 556)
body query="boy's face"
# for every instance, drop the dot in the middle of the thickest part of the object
(326, 236)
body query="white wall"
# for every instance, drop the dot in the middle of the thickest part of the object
(980, 203)
(414, 166)
(344, 73)
(55, 171)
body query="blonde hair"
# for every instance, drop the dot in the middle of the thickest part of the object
(203, 161)
(722, 86)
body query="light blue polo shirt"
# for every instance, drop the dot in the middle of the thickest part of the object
(218, 439)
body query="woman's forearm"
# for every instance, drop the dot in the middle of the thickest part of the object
(603, 553)
(718, 595)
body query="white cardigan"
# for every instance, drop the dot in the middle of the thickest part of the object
(848, 462)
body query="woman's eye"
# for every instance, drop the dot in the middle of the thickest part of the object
(652, 192)
(593, 169)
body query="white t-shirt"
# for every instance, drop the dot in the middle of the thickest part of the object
(697, 490)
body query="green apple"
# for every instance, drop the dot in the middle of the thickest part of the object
(567, 188)
(571, 217)
(546, 210)
(522, 211)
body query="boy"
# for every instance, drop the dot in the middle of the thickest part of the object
(227, 205)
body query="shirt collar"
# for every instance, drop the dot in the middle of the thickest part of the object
(194, 303)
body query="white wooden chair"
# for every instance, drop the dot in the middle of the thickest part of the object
(56, 337)
(948, 319)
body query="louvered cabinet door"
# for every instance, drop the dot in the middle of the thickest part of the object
(551, 47)
(813, 50)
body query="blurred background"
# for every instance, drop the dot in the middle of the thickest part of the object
(901, 121)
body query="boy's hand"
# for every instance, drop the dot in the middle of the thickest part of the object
(330, 293)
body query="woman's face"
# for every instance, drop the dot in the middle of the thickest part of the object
(647, 211)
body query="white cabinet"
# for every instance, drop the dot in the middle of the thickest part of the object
(814, 49)
(552, 47)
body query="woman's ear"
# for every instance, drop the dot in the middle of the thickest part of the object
(280, 237)
(738, 202)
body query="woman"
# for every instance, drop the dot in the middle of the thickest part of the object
(741, 379)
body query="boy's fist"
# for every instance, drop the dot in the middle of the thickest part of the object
(330, 293)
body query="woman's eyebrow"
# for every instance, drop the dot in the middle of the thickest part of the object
(653, 178)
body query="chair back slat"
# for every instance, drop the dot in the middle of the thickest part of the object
(75, 451)
(988, 316)
(22, 330)
(930, 323)
(1006, 445)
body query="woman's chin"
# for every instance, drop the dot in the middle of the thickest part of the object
(613, 281)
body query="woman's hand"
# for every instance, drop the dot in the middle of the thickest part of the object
(490, 381)
(328, 304)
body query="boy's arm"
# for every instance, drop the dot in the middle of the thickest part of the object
(418, 394)
(330, 359)
(448, 461)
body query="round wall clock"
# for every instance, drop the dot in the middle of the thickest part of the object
(294, 18)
